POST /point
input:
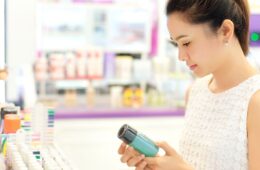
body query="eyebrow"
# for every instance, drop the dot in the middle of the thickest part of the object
(179, 37)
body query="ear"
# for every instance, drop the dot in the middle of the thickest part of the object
(226, 30)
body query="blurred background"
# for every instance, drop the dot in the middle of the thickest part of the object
(100, 64)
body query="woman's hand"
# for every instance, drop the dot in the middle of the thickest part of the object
(132, 158)
(170, 161)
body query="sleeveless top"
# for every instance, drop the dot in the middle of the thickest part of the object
(215, 133)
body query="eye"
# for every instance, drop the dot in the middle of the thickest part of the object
(174, 43)
(186, 44)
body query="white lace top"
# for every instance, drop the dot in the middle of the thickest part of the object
(215, 133)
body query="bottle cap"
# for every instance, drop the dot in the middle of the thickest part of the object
(127, 133)
(8, 110)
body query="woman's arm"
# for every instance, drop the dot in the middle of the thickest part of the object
(253, 129)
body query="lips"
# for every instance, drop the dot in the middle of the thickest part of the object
(193, 67)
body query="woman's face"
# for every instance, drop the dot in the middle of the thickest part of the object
(198, 45)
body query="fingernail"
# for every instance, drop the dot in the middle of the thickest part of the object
(141, 157)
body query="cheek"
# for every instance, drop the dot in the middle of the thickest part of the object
(205, 56)
(199, 53)
(205, 52)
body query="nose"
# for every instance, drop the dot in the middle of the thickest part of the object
(182, 55)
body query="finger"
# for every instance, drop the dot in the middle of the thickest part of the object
(167, 148)
(133, 151)
(135, 160)
(152, 160)
(149, 168)
(141, 166)
(128, 154)
(122, 148)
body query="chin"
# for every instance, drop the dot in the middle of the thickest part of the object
(200, 74)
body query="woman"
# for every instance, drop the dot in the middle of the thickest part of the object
(223, 110)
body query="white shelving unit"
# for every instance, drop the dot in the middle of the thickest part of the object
(71, 26)
(2, 48)
(118, 27)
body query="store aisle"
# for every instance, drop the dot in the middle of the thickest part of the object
(91, 144)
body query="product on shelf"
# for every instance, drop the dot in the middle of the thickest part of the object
(95, 63)
(90, 95)
(70, 97)
(56, 66)
(2, 162)
(81, 70)
(10, 120)
(161, 68)
(123, 67)
(32, 146)
(41, 68)
(12, 123)
(142, 70)
(70, 65)
(116, 96)
(133, 97)
(8, 109)
(109, 66)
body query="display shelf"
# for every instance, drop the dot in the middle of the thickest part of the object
(121, 82)
(90, 5)
(71, 84)
(83, 83)
(27, 139)
(83, 112)
(88, 24)
(134, 31)
(2, 49)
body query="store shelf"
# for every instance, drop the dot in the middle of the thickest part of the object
(83, 83)
(55, 17)
(81, 113)
(71, 84)
(94, 5)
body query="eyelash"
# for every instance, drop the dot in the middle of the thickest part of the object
(186, 44)
(174, 44)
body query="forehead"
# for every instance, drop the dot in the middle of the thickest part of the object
(178, 18)
(179, 25)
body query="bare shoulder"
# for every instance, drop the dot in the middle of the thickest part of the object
(253, 128)
(254, 110)
(254, 102)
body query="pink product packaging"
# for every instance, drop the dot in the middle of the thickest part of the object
(81, 65)
(56, 66)
(70, 67)
(41, 69)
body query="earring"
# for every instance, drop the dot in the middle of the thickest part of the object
(226, 43)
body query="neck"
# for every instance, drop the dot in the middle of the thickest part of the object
(234, 71)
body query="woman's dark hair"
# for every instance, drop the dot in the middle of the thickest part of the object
(215, 12)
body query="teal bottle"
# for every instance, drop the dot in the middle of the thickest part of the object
(138, 141)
